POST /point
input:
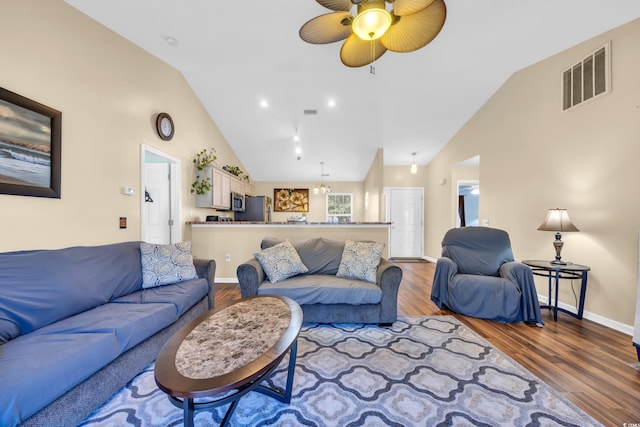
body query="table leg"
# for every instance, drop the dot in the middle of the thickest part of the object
(187, 412)
(555, 303)
(583, 291)
(293, 352)
(285, 396)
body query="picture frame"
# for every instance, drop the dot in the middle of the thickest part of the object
(30, 147)
(291, 200)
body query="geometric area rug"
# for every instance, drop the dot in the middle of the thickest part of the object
(421, 371)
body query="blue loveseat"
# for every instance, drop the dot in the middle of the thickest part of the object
(76, 325)
(323, 296)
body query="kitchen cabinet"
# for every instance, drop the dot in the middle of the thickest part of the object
(219, 197)
(237, 186)
(248, 189)
(221, 190)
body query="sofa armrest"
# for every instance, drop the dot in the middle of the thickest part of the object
(206, 269)
(388, 278)
(250, 276)
(446, 268)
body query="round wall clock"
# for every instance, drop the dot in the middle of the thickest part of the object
(164, 126)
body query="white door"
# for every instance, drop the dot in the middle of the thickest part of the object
(406, 216)
(157, 203)
(160, 213)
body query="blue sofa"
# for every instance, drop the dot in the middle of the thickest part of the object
(323, 297)
(76, 326)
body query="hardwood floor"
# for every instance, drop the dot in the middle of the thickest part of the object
(587, 363)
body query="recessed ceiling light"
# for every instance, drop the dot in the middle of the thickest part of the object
(331, 103)
(170, 40)
(298, 150)
(263, 103)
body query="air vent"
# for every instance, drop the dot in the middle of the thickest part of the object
(587, 79)
(310, 112)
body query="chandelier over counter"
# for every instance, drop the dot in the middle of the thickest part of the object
(408, 25)
(322, 188)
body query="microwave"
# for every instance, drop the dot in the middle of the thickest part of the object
(237, 202)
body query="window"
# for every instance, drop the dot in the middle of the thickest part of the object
(339, 207)
(587, 79)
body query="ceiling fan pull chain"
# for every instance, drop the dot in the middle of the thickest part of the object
(372, 69)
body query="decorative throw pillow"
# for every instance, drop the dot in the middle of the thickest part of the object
(360, 260)
(166, 264)
(280, 262)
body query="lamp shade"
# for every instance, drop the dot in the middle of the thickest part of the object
(557, 220)
(372, 20)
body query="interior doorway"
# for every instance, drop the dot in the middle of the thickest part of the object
(468, 203)
(160, 197)
(405, 211)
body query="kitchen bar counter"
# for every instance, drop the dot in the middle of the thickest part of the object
(289, 223)
(231, 243)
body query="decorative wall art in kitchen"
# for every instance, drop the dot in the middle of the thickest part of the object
(291, 199)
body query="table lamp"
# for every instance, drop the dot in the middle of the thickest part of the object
(557, 220)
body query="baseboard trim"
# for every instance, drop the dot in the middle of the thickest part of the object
(601, 320)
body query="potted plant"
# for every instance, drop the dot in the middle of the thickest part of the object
(235, 170)
(201, 162)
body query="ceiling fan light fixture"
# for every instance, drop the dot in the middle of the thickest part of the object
(371, 23)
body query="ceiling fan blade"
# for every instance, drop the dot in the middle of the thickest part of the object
(356, 52)
(327, 28)
(411, 32)
(408, 7)
(337, 5)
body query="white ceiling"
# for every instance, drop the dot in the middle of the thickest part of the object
(234, 53)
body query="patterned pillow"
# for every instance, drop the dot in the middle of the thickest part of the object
(166, 264)
(280, 262)
(360, 260)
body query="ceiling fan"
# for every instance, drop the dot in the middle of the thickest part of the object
(408, 26)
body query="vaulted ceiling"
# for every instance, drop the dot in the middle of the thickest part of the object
(234, 53)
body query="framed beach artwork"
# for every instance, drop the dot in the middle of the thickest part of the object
(30, 139)
(291, 199)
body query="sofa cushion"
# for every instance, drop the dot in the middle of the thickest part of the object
(166, 264)
(360, 260)
(183, 295)
(73, 349)
(280, 262)
(40, 287)
(324, 289)
(320, 255)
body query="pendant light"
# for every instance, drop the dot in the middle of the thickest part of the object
(322, 188)
(414, 167)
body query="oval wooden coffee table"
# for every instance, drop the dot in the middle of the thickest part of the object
(227, 352)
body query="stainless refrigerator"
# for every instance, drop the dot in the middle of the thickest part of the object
(257, 208)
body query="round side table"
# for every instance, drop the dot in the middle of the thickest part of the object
(555, 272)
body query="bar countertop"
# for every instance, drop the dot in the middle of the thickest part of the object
(286, 223)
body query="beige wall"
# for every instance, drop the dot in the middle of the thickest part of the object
(401, 176)
(373, 189)
(535, 157)
(109, 92)
(317, 202)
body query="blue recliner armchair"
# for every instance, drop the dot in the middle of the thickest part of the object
(478, 277)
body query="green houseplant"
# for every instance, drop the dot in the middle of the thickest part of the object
(201, 161)
(235, 170)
